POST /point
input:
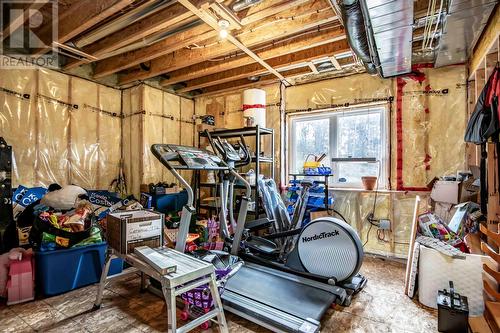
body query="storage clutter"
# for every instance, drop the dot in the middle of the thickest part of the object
(447, 248)
(279, 160)
(64, 226)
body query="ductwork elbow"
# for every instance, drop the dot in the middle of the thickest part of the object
(239, 5)
(354, 23)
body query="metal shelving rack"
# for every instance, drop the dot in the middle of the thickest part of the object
(256, 132)
(324, 182)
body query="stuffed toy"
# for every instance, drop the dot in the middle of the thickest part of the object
(13, 254)
(63, 199)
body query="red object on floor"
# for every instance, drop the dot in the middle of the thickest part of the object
(21, 283)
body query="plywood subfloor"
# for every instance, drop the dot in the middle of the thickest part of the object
(380, 307)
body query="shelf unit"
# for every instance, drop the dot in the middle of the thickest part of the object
(324, 181)
(478, 77)
(257, 133)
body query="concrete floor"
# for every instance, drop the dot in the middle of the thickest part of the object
(380, 307)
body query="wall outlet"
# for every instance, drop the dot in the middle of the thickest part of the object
(384, 224)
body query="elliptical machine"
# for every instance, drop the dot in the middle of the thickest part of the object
(326, 249)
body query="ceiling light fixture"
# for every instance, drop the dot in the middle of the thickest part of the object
(223, 25)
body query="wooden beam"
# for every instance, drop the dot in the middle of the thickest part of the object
(313, 39)
(335, 63)
(87, 16)
(271, 9)
(162, 20)
(170, 44)
(245, 83)
(312, 67)
(212, 21)
(279, 63)
(80, 16)
(268, 32)
(30, 10)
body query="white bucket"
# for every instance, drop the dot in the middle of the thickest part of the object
(254, 105)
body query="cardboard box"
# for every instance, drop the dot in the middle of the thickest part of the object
(127, 230)
(446, 191)
(453, 192)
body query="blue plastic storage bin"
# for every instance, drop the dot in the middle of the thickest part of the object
(60, 271)
(164, 203)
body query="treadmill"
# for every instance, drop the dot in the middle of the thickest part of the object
(273, 299)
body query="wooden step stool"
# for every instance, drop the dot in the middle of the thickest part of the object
(190, 273)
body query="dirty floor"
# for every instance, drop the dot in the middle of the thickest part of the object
(380, 307)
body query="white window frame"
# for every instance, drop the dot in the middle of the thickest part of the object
(332, 115)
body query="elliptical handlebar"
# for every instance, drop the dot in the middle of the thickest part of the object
(247, 157)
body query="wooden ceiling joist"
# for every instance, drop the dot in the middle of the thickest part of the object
(162, 20)
(279, 62)
(245, 83)
(319, 14)
(335, 63)
(167, 46)
(212, 21)
(81, 16)
(312, 39)
(312, 67)
(272, 8)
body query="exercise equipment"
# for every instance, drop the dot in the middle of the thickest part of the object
(326, 249)
(274, 299)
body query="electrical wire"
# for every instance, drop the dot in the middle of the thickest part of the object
(368, 235)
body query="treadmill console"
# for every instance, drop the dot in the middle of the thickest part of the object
(190, 157)
(197, 160)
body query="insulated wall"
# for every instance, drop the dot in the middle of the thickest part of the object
(63, 129)
(153, 116)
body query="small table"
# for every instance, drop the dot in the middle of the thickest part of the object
(190, 273)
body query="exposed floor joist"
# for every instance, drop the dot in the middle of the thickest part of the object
(245, 83)
(279, 26)
(335, 63)
(311, 39)
(167, 46)
(211, 21)
(81, 16)
(162, 20)
(279, 62)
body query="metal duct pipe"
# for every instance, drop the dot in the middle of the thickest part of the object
(122, 21)
(239, 5)
(354, 24)
(152, 39)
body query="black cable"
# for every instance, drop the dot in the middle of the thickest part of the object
(342, 217)
(368, 235)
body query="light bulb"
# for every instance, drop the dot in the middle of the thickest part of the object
(223, 33)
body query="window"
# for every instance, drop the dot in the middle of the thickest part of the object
(355, 143)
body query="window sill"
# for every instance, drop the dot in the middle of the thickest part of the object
(362, 190)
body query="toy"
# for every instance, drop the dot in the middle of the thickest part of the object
(199, 301)
(5, 262)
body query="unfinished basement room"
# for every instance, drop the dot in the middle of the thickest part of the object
(250, 166)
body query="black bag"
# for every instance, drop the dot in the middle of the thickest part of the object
(63, 238)
(483, 123)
